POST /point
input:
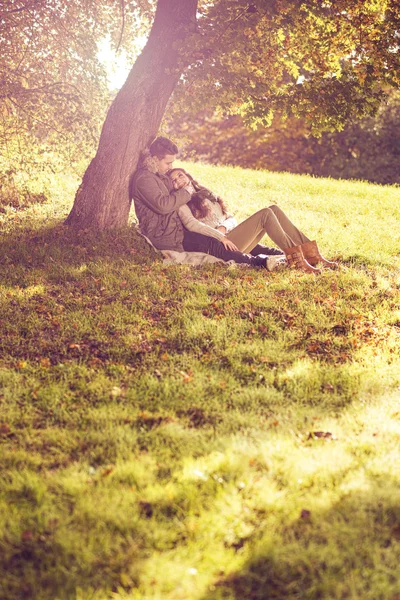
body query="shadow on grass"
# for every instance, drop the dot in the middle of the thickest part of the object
(366, 263)
(334, 549)
(42, 568)
(348, 551)
(61, 247)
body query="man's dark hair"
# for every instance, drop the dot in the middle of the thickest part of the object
(162, 146)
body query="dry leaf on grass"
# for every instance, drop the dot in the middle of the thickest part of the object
(326, 435)
(305, 514)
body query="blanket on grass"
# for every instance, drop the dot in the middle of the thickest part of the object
(171, 257)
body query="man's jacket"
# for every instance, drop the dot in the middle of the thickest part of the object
(156, 206)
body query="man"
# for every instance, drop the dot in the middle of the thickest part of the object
(157, 203)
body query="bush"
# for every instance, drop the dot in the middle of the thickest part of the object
(18, 196)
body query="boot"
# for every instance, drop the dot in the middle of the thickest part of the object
(296, 259)
(313, 255)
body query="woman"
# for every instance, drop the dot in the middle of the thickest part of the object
(210, 210)
(157, 204)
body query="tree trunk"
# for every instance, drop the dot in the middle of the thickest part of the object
(102, 200)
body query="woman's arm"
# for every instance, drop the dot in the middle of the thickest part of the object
(192, 224)
(229, 223)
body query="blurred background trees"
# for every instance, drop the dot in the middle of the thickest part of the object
(367, 148)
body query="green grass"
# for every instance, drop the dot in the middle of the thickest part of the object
(157, 423)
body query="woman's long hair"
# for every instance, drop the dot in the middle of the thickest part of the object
(197, 203)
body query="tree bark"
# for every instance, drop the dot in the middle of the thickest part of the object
(102, 201)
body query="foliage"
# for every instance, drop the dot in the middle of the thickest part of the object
(367, 149)
(180, 433)
(53, 89)
(324, 61)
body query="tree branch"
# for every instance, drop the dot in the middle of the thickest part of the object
(47, 125)
(122, 25)
(25, 91)
(17, 10)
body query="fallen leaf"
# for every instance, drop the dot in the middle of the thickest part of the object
(107, 472)
(95, 362)
(328, 387)
(187, 377)
(4, 428)
(305, 514)
(327, 435)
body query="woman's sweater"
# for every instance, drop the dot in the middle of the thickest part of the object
(208, 224)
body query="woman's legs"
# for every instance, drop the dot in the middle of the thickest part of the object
(269, 250)
(195, 242)
(271, 221)
(296, 235)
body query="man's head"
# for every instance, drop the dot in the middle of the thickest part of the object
(164, 151)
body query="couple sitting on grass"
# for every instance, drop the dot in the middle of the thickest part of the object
(176, 213)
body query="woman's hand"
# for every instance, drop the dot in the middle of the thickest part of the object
(229, 245)
(222, 229)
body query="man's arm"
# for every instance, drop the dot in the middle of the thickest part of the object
(157, 197)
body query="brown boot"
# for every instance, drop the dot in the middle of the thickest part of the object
(296, 259)
(313, 255)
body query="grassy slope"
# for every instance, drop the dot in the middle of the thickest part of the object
(156, 422)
